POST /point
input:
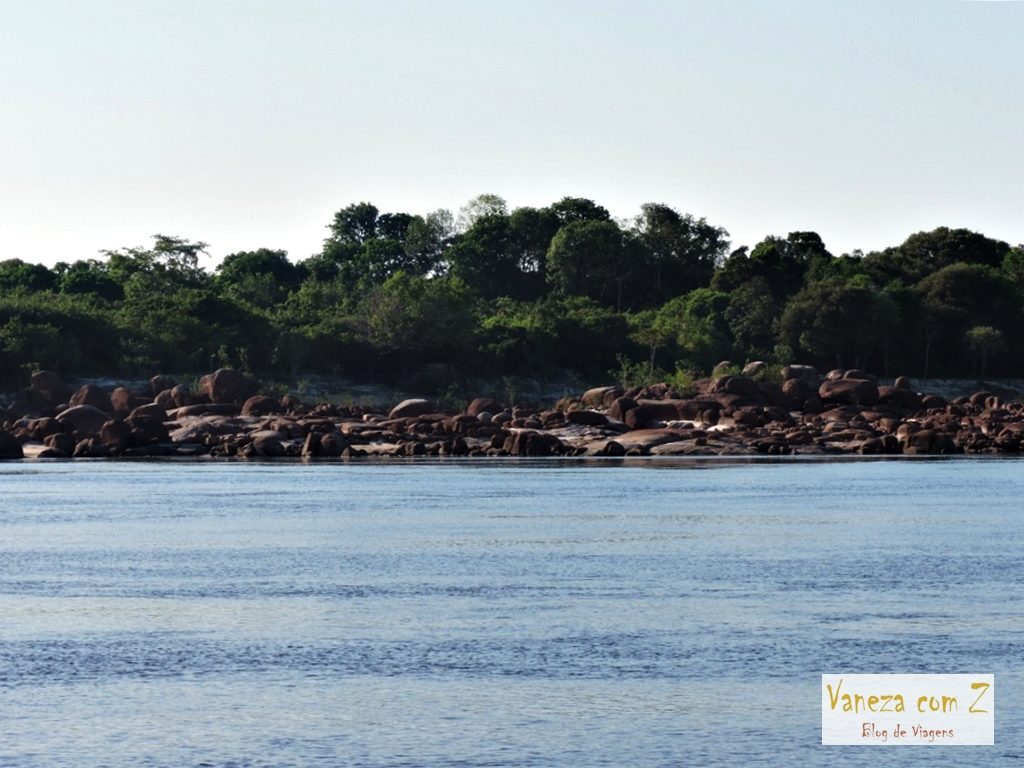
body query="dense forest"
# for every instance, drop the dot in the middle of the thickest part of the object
(531, 291)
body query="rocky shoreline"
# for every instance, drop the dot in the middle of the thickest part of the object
(840, 413)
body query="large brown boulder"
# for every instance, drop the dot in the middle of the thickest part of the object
(180, 396)
(414, 406)
(260, 405)
(51, 382)
(798, 390)
(227, 386)
(640, 417)
(484, 405)
(204, 409)
(620, 407)
(124, 401)
(808, 372)
(587, 418)
(121, 400)
(47, 390)
(529, 443)
(116, 434)
(150, 409)
(93, 395)
(595, 398)
(147, 430)
(899, 397)
(902, 382)
(62, 443)
(737, 385)
(267, 443)
(648, 438)
(849, 391)
(10, 448)
(662, 410)
(85, 419)
(929, 441)
(159, 383)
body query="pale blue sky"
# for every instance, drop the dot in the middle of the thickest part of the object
(247, 123)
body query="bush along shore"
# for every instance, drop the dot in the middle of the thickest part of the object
(842, 412)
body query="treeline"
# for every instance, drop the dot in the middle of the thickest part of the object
(529, 291)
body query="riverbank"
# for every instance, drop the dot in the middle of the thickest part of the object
(226, 415)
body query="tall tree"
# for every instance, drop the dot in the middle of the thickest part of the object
(683, 250)
(589, 258)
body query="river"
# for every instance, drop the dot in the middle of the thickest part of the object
(494, 613)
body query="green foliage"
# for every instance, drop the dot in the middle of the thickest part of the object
(588, 258)
(682, 251)
(986, 342)
(522, 293)
(629, 374)
(838, 322)
(925, 253)
(15, 275)
(698, 325)
(425, 319)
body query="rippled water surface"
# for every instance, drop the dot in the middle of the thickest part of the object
(494, 614)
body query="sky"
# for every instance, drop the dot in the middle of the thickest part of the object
(248, 123)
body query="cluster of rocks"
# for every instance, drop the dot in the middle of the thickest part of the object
(843, 412)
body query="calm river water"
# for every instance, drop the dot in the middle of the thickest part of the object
(494, 613)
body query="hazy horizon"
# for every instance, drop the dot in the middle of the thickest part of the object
(248, 124)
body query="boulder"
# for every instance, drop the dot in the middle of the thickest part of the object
(204, 409)
(10, 447)
(149, 409)
(86, 419)
(798, 390)
(267, 443)
(115, 434)
(662, 410)
(721, 367)
(754, 368)
(979, 398)
(411, 407)
(928, 441)
(260, 405)
(165, 400)
(808, 372)
(227, 386)
(641, 417)
(62, 443)
(332, 444)
(121, 400)
(47, 390)
(594, 398)
(587, 418)
(530, 443)
(852, 391)
(42, 428)
(899, 397)
(92, 395)
(902, 382)
(51, 382)
(181, 396)
(482, 404)
(159, 383)
(741, 385)
(857, 373)
(620, 407)
(648, 438)
(147, 430)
